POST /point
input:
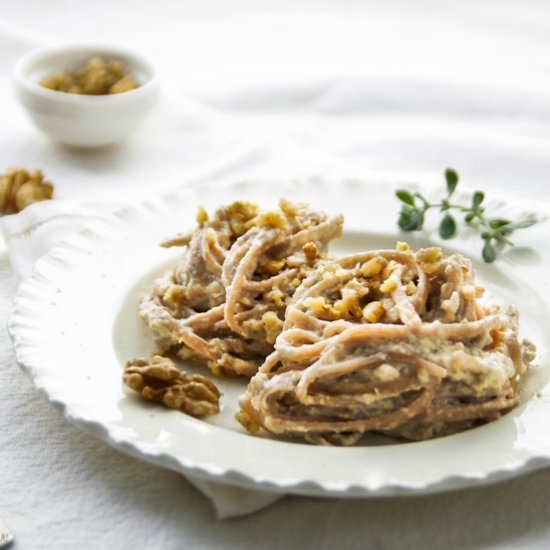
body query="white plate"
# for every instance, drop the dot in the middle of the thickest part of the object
(75, 323)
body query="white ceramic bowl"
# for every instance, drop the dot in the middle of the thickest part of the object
(84, 120)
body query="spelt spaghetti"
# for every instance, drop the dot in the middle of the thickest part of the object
(388, 341)
(224, 303)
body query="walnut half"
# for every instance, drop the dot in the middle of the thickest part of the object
(19, 188)
(160, 380)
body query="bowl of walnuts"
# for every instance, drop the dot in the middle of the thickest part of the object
(86, 95)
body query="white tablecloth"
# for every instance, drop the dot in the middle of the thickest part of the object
(400, 86)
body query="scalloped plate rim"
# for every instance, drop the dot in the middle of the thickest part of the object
(232, 477)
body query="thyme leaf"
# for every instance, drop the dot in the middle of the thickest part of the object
(495, 230)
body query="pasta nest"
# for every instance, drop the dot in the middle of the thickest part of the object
(388, 341)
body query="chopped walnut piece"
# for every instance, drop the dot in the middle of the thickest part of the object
(429, 255)
(160, 380)
(202, 216)
(270, 218)
(373, 311)
(274, 267)
(311, 251)
(247, 422)
(273, 326)
(240, 212)
(373, 267)
(19, 188)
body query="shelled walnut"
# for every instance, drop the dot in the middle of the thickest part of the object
(160, 380)
(97, 77)
(19, 188)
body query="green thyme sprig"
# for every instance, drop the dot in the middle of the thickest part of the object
(495, 231)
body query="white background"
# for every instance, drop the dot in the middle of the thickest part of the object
(407, 86)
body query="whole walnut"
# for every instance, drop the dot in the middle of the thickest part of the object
(160, 380)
